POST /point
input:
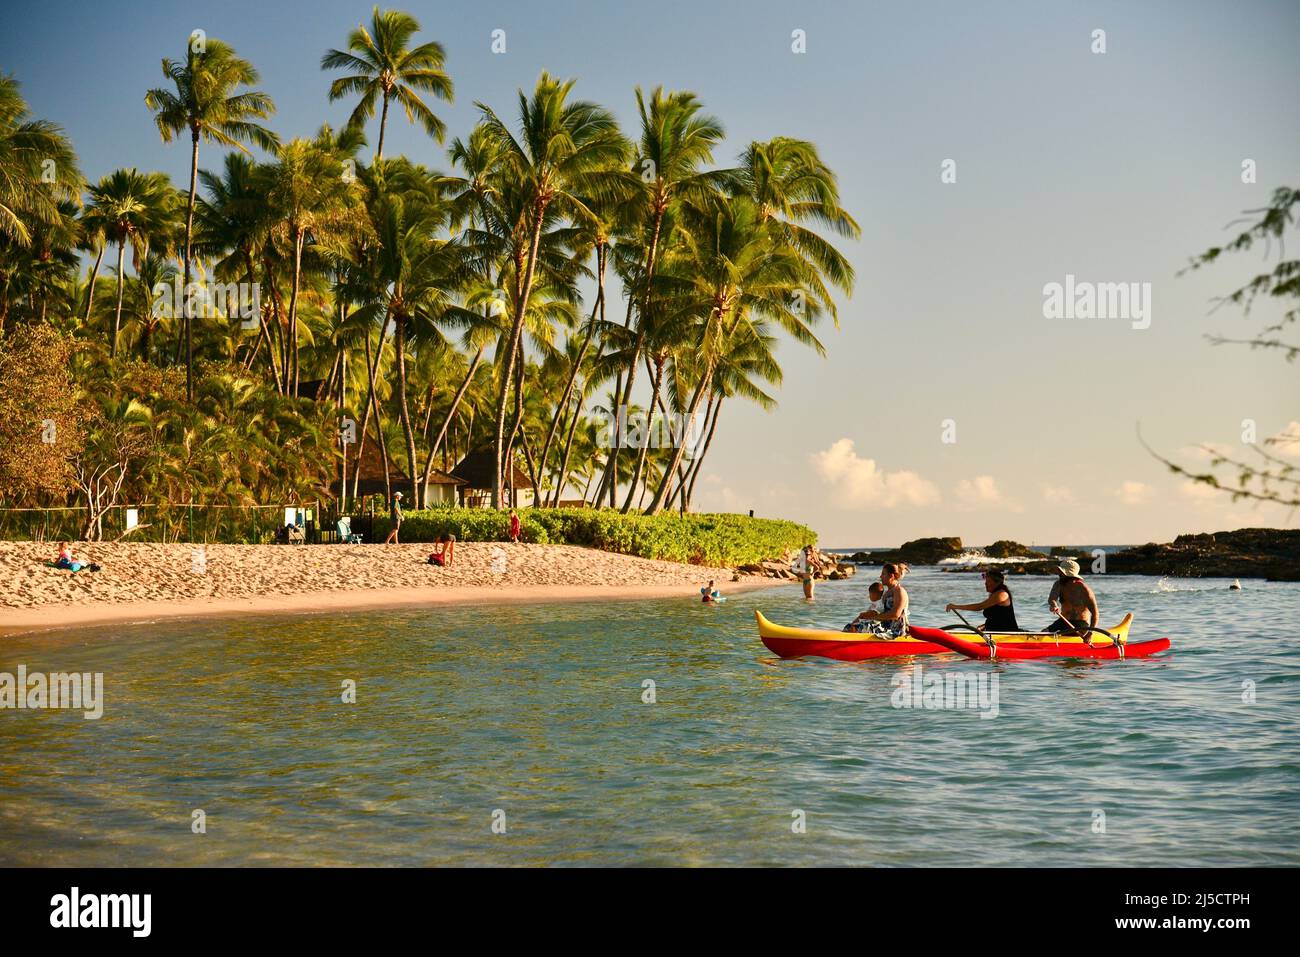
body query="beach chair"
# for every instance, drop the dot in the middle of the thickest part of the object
(346, 535)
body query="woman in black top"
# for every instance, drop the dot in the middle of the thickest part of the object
(999, 610)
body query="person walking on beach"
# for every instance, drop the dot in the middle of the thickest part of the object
(891, 620)
(999, 609)
(1073, 603)
(395, 513)
(514, 526)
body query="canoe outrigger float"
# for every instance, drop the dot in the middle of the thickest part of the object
(852, 646)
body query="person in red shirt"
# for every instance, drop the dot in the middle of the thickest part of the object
(514, 526)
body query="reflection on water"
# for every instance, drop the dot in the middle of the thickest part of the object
(538, 713)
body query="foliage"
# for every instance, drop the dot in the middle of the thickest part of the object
(698, 539)
(41, 423)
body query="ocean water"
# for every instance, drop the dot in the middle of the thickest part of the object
(536, 720)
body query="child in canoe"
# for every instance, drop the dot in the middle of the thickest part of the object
(875, 593)
(891, 620)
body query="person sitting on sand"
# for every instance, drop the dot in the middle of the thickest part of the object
(514, 526)
(1073, 603)
(999, 609)
(66, 560)
(395, 513)
(709, 594)
(891, 620)
(874, 592)
(439, 554)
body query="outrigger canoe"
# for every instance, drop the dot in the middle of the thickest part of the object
(850, 646)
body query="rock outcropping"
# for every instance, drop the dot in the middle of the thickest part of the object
(1269, 553)
(921, 551)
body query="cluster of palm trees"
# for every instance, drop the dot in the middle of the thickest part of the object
(445, 312)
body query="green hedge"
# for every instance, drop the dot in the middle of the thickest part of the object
(725, 540)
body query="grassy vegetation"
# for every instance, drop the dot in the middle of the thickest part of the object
(696, 539)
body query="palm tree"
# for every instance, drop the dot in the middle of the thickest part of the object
(38, 167)
(729, 268)
(677, 140)
(138, 210)
(567, 154)
(792, 186)
(206, 104)
(384, 67)
(232, 229)
(309, 198)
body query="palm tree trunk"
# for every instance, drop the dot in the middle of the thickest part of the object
(451, 413)
(121, 286)
(372, 370)
(659, 360)
(291, 360)
(568, 449)
(514, 346)
(563, 405)
(90, 288)
(383, 122)
(404, 411)
(688, 488)
(657, 503)
(185, 288)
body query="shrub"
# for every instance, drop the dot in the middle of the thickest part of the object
(714, 539)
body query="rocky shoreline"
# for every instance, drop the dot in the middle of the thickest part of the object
(1269, 553)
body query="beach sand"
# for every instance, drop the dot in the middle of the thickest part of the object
(142, 581)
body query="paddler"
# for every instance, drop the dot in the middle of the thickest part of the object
(1073, 602)
(999, 609)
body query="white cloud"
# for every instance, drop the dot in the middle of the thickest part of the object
(1286, 442)
(860, 483)
(981, 490)
(1200, 492)
(1058, 495)
(1133, 493)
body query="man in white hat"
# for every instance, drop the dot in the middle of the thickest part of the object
(1073, 602)
(395, 513)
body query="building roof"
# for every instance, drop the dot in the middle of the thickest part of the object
(372, 470)
(476, 469)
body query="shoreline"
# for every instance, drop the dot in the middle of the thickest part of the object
(146, 582)
(30, 621)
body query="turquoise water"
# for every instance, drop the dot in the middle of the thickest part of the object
(537, 712)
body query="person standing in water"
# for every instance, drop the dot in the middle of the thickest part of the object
(999, 609)
(1073, 602)
(806, 567)
(395, 513)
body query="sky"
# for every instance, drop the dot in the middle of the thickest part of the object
(948, 403)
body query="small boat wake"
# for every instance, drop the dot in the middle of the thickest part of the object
(1170, 586)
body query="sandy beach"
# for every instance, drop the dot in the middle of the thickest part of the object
(144, 581)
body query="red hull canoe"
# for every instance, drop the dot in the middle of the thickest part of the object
(981, 649)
